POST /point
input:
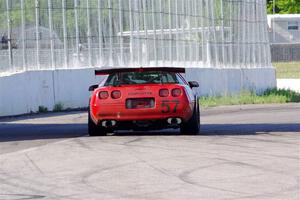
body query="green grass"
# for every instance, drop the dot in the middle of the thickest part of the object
(43, 109)
(287, 69)
(58, 107)
(268, 97)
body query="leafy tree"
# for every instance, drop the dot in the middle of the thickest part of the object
(284, 6)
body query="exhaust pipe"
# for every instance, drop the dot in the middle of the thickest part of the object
(174, 121)
(108, 123)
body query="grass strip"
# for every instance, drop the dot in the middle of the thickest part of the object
(270, 96)
(287, 69)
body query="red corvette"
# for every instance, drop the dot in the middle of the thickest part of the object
(143, 99)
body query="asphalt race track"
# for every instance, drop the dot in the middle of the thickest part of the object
(243, 152)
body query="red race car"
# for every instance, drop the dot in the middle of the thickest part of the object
(143, 99)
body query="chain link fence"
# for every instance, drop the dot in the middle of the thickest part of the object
(60, 34)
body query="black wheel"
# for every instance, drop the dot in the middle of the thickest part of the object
(192, 127)
(93, 129)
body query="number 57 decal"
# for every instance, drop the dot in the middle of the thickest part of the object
(166, 107)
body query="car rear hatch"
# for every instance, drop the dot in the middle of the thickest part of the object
(141, 96)
(140, 103)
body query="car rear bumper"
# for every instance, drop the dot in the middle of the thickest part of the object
(119, 114)
(144, 125)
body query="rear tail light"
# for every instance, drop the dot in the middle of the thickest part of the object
(176, 92)
(163, 92)
(116, 94)
(103, 95)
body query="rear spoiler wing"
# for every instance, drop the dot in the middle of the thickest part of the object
(107, 71)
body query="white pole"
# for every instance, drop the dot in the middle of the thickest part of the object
(253, 37)
(110, 33)
(248, 34)
(244, 4)
(100, 31)
(224, 58)
(273, 20)
(121, 33)
(37, 33)
(65, 33)
(89, 33)
(137, 23)
(237, 50)
(183, 31)
(162, 32)
(146, 49)
(263, 24)
(177, 31)
(208, 50)
(154, 32)
(190, 32)
(230, 33)
(131, 31)
(77, 31)
(9, 39)
(51, 34)
(259, 49)
(216, 45)
(196, 13)
(23, 36)
(170, 34)
(269, 56)
(202, 31)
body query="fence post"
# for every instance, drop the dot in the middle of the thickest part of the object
(273, 21)
(11, 67)
(52, 62)
(110, 32)
(224, 58)
(196, 18)
(66, 56)
(100, 32)
(121, 33)
(183, 16)
(177, 31)
(136, 15)
(170, 35)
(131, 30)
(154, 33)
(37, 33)
(23, 36)
(89, 32)
(77, 32)
(162, 42)
(189, 13)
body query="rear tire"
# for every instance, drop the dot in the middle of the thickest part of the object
(192, 127)
(93, 129)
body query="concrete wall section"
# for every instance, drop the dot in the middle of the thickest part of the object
(231, 81)
(25, 92)
(258, 79)
(71, 86)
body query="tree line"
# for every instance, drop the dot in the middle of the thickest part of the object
(284, 6)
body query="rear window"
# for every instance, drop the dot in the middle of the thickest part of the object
(133, 78)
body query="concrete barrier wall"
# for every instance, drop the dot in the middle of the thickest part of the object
(25, 92)
(214, 82)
